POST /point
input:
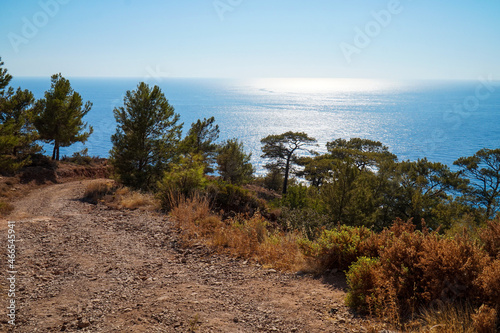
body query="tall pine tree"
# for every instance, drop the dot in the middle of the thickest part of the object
(146, 139)
(59, 116)
(17, 133)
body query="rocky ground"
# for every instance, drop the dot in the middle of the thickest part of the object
(87, 268)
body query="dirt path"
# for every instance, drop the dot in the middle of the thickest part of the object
(87, 268)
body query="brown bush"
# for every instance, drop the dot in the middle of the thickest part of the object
(490, 236)
(420, 270)
(449, 269)
(489, 282)
(485, 320)
(96, 191)
(5, 208)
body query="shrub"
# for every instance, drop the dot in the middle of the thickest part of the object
(5, 208)
(489, 282)
(96, 191)
(307, 221)
(336, 248)
(418, 269)
(485, 320)
(490, 236)
(233, 199)
(80, 158)
(361, 281)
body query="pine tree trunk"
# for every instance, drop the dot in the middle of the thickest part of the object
(55, 152)
(287, 169)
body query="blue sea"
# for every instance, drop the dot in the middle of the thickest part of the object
(440, 120)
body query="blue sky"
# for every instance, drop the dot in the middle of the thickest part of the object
(419, 39)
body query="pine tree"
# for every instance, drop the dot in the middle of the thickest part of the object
(17, 133)
(233, 163)
(59, 116)
(200, 140)
(281, 150)
(146, 139)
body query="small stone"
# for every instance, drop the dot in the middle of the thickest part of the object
(83, 324)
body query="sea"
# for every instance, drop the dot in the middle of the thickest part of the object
(438, 120)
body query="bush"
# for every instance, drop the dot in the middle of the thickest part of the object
(337, 248)
(422, 270)
(184, 179)
(97, 191)
(361, 281)
(233, 199)
(80, 158)
(307, 221)
(489, 282)
(5, 208)
(490, 236)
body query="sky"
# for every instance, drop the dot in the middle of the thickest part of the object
(390, 39)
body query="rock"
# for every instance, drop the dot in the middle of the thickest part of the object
(83, 323)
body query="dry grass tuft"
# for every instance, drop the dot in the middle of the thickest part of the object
(447, 319)
(5, 208)
(117, 197)
(240, 236)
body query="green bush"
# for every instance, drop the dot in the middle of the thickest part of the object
(233, 199)
(361, 281)
(307, 221)
(337, 248)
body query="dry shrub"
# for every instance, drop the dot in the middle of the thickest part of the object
(490, 236)
(485, 320)
(5, 208)
(98, 190)
(449, 269)
(420, 270)
(125, 198)
(188, 211)
(117, 197)
(447, 319)
(239, 236)
(489, 282)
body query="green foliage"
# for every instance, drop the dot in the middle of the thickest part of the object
(296, 197)
(147, 136)
(423, 191)
(200, 140)
(281, 151)
(361, 280)
(59, 116)
(17, 133)
(185, 178)
(338, 247)
(80, 157)
(273, 180)
(316, 169)
(363, 153)
(232, 199)
(308, 221)
(233, 163)
(483, 172)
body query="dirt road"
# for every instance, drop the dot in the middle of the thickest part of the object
(88, 268)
